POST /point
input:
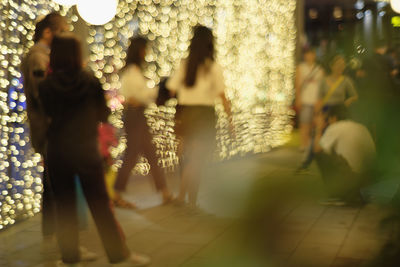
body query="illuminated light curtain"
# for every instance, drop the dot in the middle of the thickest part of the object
(167, 24)
(20, 167)
(255, 44)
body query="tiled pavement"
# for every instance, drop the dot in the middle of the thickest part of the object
(309, 234)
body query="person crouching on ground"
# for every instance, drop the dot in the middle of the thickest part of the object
(344, 152)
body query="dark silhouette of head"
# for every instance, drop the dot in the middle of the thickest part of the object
(136, 51)
(66, 53)
(50, 26)
(338, 112)
(201, 49)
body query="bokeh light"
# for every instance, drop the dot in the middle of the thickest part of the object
(255, 41)
(97, 12)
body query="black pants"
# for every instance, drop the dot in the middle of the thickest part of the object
(63, 166)
(48, 205)
(340, 179)
(139, 141)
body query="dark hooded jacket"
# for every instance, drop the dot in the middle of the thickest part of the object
(75, 104)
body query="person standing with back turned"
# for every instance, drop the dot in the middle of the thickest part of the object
(198, 81)
(74, 101)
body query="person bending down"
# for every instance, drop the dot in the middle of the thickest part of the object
(344, 152)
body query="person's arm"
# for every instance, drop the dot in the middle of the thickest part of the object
(351, 91)
(219, 83)
(321, 94)
(297, 85)
(103, 110)
(37, 71)
(176, 80)
(46, 99)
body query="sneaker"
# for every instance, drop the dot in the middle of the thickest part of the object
(135, 260)
(87, 255)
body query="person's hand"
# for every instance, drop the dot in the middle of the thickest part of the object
(318, 107)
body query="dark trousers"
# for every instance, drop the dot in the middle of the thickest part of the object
(62, 170)
(139, 141)
(49, 209)
(340, 180)
(48, 206)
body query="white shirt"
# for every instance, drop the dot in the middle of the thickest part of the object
(134, 85)
(208, 86)
(350, 140)
(310, 80)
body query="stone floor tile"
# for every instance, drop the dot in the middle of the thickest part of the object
(360, 248)
(326, 236)
(338, 218)
(347, 262)
(173, 254)
(311, 254)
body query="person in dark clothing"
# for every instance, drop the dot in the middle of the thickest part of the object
(34, 69)
(74, 101)
(378, 109)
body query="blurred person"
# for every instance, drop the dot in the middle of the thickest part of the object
(394, 62)
(139, 139)
(34, 69)
(308, 78)
(344, 152)
(377, 70)
(74, 101)
(379, 107)
(198, 82)
(336, 89)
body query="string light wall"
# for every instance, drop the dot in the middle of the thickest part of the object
(255, 45)
(258, 68)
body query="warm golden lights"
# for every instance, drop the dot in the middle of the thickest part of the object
(255, 41)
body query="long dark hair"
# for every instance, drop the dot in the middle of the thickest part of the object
(134, 53)
(66, 53)
(201, 48)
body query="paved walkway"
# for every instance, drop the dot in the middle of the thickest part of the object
(240, 224)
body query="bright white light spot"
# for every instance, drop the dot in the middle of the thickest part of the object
(97, 12)
(66, 2)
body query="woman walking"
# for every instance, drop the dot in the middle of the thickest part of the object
(139, 139)
(74, 101)
(198, 82)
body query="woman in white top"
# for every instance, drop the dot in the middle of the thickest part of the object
(309, 76)
(198, 82)
(139, 140)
